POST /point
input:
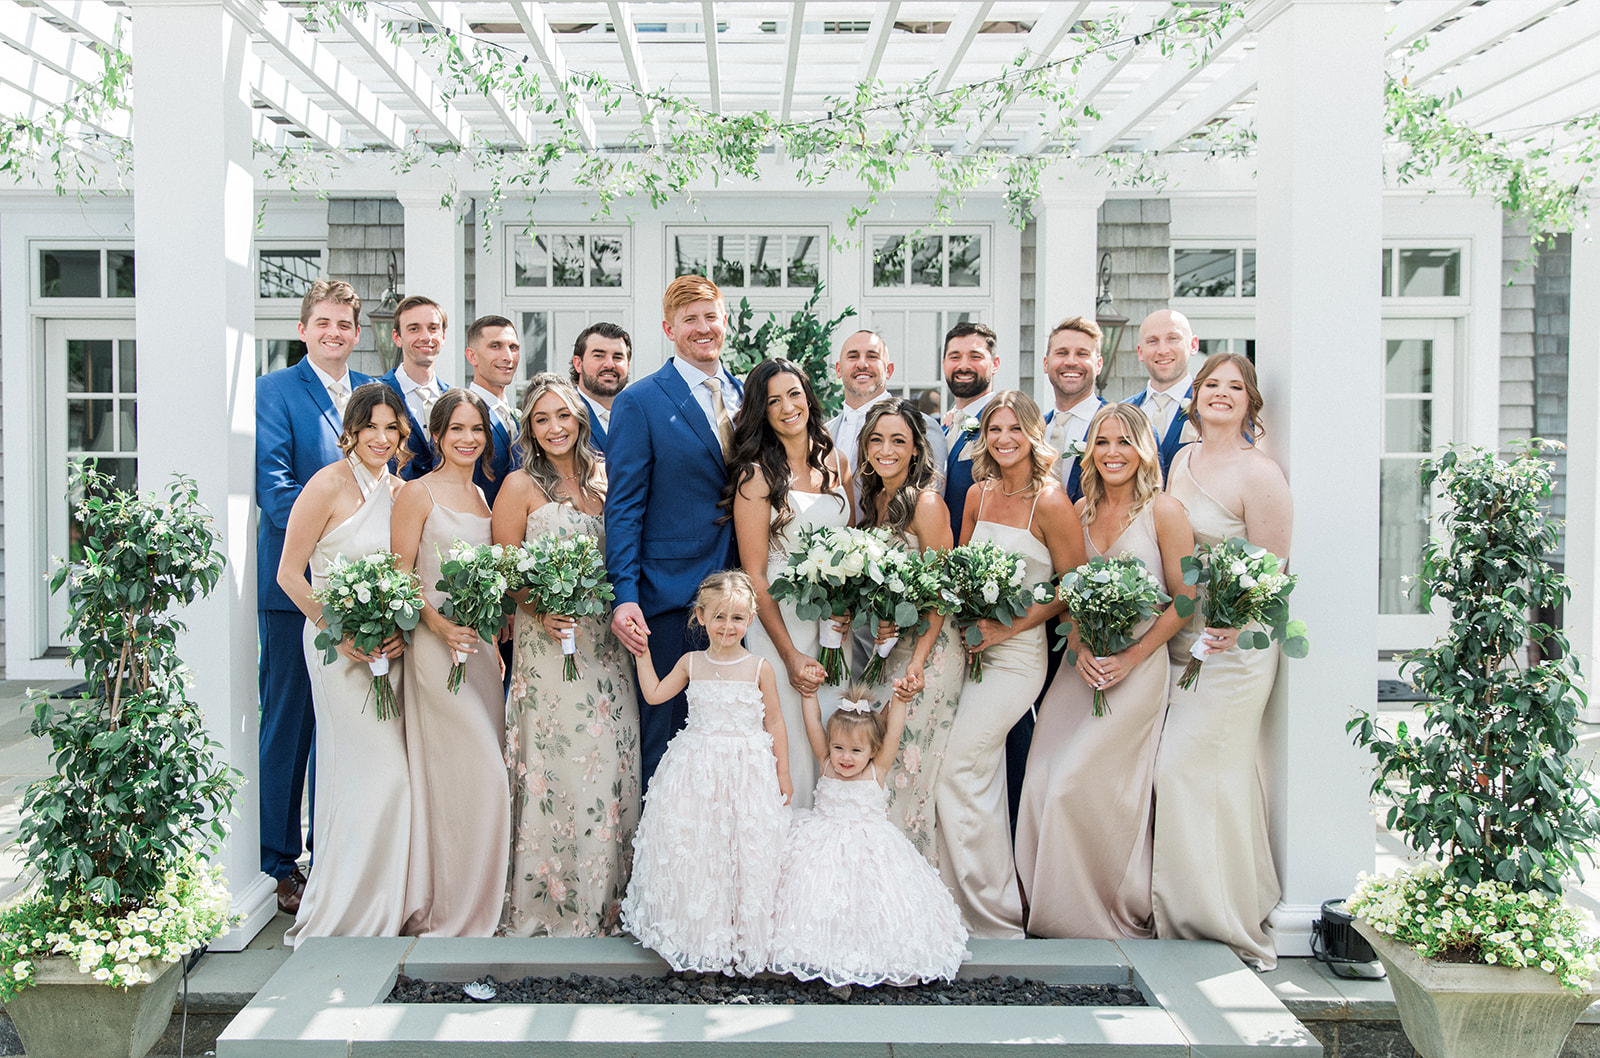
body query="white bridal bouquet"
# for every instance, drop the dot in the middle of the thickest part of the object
(906, 588)
(985, 582)
(1107, 598)
(827, 572)
(368, 599)
(565, 576)
(1240, 584)
(473, 579)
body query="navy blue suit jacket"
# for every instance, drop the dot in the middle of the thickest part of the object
(597, 432)
(297, 434)
(1169, 444)
(957, 478)
(1074, 479)
(422, 459)
(505, 461)
(666, 473)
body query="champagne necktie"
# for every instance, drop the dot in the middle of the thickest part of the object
(724, 420)
(339, 393)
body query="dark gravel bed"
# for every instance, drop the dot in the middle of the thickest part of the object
(698, 989)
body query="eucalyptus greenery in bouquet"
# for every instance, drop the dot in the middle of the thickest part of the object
(367, 600)
(473, 579)
(1240, 585)
(985, 582)
(1492, 783)
(828, 569)
(1107, 598)
(117, 835)
(563, 575)
(906, 589)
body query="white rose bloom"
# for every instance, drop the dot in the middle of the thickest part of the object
(1238, 567)
(991, 592)
(1247, 582)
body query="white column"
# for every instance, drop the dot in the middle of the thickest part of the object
(1066, 253)
(435, 264)
(1583, 454)
(1320, 166)
(194, 219)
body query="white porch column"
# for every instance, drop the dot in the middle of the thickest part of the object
(193, 223)
(435, 266)
(1320, 193)
(1583, 454)
(1066, 251)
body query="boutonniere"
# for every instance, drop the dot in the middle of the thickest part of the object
(969, 426)
(1074, 450)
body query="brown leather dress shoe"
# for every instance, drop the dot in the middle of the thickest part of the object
(291, 887)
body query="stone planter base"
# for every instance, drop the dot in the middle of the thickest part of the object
(1466, 1010)
(67, 1014)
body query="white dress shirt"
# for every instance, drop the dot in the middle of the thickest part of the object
(328, 382)
(419, 395)
(597, 412)
(696, 381)
(1072, 424)
(973, 410)
(1177, 391)
(851, 421)
(498, 408)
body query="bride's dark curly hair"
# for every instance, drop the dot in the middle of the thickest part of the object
(758, 449)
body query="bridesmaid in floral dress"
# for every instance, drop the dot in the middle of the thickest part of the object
(572, 748)
(898, 493)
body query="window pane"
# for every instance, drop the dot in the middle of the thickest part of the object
(689, 255)
(888, 261)
(89, 366)
(1202, 273)
(1403, 530)
(1408, 425)
(535, 343)
(1408, 365)
(119, 273)
(276, 353)
(127, 367)
(805, 254)
(287, 273)
(1388, 273)
(766, 261)
(605, 261)
(129, 424)
(927, 262)
(727, 266)
(1247, 273)
(566, 260)
(966, 260)
(89, 426)
(533, 262)
(69, 273)
(1210, 346)
(1430, 273)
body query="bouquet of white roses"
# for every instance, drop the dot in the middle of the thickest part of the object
(367, 600)
(1107, 598)
(826, 573)
(1240, 585)
(985, 582)
(565, 576)
(907, 587)
(473, 579)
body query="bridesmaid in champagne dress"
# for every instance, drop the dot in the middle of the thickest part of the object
(1083, 826)
(899, 493)
(363, 795)
(785, 475)
(461, 808)
(572, 747)
(1018, 505)
(1213, 877)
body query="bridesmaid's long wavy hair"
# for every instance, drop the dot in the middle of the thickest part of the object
(358, 416)
(1032, 422)
(537, 463)
(1253, 428)
(1146, 481)
(902, 506)
(757, 447)
(439, 422)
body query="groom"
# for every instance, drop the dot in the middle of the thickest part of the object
(665, 455)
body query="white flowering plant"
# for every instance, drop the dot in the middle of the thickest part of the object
(368, 599)
(563, 574)
(473, 579)
(1489, 922)
(985, 582)
(1240, 585)
(828, 570)
(906, 589)
(1107, 598)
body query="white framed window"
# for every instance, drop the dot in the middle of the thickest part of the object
(278, 343)
(956, 258)
(570, 260)
(548, 335)
(914, 337)
(66, 274)
(1414, 271)
(284, 272)
(752, 260)
(1213, 270)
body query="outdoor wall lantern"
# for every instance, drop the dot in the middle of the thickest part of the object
(1106, 317)
(382, 317)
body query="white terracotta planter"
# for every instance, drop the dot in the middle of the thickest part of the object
(67, 1014)
(1470, 1010)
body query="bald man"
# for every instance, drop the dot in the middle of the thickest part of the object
(1166, 341)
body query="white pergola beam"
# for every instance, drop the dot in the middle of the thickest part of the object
(883, 19)
(1533, 48)
(708, 15)
(791, 60)
(415, 82)
(1412, 19)
(1040, 134)
(1040, 44)
(1210, 102)
(548, 50)
(628, 41)
(101, 24)
(446, 18)
(1532, 113)
(1475, 31)
(272, 88)
(957, 41)
(313, 58)
(23, 106)
(54, 90)
(44, 43)
(267, 132)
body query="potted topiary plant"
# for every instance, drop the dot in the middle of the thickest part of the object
(118, 836)
(1484, 956)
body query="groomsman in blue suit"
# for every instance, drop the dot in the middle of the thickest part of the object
(1166, 341)
(299, 417)
(494, 353)
(970, 363)
(665, 457)
(601, 359)
(1072, 363)
(419, 332)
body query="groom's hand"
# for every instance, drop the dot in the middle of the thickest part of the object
(627, 623)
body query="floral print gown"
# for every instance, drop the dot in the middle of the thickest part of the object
(572, 749)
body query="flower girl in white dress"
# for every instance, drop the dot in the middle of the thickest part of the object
(858, 904)
(706, 854)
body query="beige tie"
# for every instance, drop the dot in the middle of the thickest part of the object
(1158, 418)
(339, 393)
(1056, 435)
(430, 396)
(724, 420)
(507, 418)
